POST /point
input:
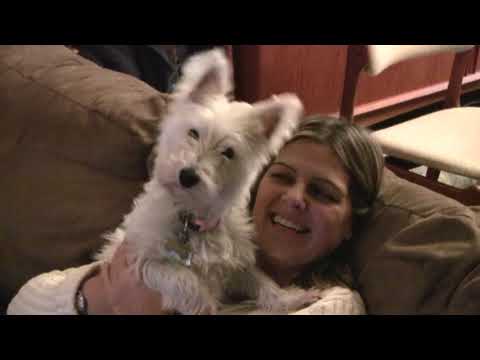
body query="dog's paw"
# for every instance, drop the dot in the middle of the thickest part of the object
(204, 309)
(199, 308)
(208, 309)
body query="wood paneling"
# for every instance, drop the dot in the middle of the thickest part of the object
(316, 73)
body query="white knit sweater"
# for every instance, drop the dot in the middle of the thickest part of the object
(53, 293)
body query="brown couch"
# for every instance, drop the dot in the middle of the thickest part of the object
(74, 139)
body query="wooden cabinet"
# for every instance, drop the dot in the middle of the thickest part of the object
(316, 74)
(476, 62)
(313, 72)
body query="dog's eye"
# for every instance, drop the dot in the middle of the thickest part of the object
(229, 153)
(194, 134)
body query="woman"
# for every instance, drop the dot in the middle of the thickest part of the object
(306, 206)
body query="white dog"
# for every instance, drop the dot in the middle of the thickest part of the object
(190, 229)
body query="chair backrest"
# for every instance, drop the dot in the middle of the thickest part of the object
(374, 59)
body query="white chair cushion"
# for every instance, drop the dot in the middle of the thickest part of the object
(381, 57)
(447, 140)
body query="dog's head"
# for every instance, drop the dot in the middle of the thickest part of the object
(210, 149)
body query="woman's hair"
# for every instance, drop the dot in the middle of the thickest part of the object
(362, 158)
(357, 151)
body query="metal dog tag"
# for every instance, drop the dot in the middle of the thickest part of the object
(180, 244)
(184, 236)
(188, 261)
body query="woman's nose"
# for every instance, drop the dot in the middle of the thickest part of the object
(295, 197)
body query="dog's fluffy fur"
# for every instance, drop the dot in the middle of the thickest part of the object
(225, 144)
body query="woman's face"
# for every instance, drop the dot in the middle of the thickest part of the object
(302, 209)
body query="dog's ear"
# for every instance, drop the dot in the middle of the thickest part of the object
(204, 75)
(279, 116)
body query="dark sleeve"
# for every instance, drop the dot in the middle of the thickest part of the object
(139, 61)
(120, 58)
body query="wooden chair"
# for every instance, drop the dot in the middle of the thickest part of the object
(445, 140)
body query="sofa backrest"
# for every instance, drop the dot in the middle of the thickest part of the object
(73, 142)
(419, 254)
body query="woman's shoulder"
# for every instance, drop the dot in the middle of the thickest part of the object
(336, 300)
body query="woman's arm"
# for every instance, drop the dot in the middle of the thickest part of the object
(108, 288)
(117, 290)
(51, 293)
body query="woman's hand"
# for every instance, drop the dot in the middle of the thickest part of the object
(116, 290)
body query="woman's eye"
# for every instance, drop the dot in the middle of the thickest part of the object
(229, 153)
(319, 193)
(194, 134)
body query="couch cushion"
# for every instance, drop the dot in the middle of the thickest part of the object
(419, 254)
(73, 142)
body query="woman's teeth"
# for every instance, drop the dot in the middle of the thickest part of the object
(277, 219)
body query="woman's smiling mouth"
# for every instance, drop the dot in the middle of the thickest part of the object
(279, 220)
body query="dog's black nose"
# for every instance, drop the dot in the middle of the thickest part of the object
(188, 177)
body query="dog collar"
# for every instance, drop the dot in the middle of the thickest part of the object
(202, 226)
(180, 248)
(197, 225)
